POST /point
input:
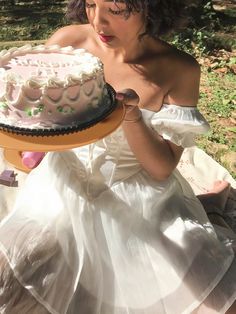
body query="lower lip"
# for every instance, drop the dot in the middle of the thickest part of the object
(106, 39)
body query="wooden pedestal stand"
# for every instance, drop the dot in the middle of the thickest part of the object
(14, 144)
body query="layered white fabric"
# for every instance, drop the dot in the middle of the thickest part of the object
(179, 125)
(92, 233)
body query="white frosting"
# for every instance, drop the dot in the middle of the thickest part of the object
(37, 65)
(48, 85)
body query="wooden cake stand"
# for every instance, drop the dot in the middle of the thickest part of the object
(14, 144)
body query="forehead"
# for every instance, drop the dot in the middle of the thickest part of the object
(117, 2)
(112, 1)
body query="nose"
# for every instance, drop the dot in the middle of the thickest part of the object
(99, 18)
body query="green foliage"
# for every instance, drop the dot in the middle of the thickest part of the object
(208, 31)
(194, 41)
(221, 99)
(209, 16)
(24, 22)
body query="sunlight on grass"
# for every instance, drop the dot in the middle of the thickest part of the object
(218, 104)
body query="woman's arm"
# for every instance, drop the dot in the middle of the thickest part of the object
(157, 156)
(160, 157)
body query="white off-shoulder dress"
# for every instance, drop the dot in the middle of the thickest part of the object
(92, 233)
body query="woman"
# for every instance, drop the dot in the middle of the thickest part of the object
(113, 226)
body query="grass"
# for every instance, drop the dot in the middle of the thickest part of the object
(27, 20)
(216, 52)
(218, 104)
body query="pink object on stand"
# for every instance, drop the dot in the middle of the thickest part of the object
(32, 159)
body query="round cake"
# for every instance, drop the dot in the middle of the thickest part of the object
(50, 89)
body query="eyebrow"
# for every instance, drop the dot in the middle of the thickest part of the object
(119, 1)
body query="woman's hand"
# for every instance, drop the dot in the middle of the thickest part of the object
(130, 100)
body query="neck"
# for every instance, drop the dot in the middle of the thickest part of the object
(135, 51)
(129, 52)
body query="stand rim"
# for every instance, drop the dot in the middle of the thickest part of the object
(66, 141)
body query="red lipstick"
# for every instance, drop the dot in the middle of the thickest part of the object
(105, 38)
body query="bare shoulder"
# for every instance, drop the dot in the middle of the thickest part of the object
(184, 71)
(71, 35)
(176, 73)
(186, 64)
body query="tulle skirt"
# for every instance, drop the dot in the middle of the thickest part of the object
(74, 245)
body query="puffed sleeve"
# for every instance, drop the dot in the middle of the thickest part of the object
(179, 125)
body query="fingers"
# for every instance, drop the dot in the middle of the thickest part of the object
(130, 100)
(128, 97)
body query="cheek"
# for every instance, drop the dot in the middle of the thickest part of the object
(133, 26)
(89, 16)
(140, 22)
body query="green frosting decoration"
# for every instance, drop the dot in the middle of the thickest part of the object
(34, 111)
(59, 109)
(3, 105)
(28, 111)
(65, 110)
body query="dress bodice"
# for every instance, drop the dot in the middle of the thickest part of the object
(111, 160)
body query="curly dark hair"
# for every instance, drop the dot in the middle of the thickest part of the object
(163, 16)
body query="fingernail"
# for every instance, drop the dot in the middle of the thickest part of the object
(119, 96)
